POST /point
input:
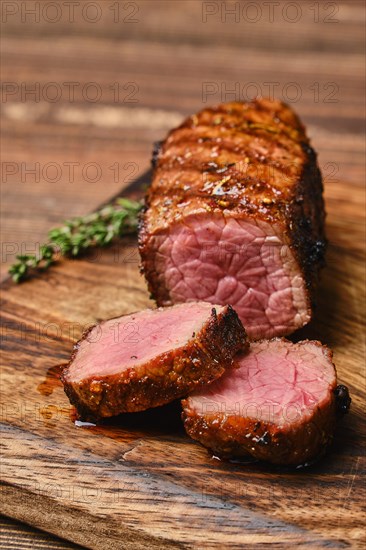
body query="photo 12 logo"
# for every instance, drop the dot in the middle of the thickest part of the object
(289, 92)
(70, 11)
(70, 92)
(67, 172)
(270, 11)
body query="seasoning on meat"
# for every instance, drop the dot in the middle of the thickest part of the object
(280, 405)
(235, 215)
(149, 358)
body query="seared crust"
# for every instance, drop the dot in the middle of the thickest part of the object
(236, 437)
(293, 444)
(262, 167)
(168, 376)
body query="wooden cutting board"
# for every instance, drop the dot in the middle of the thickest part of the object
(138, 481)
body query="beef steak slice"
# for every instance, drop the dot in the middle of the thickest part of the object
(280, 405)
(149, 358)
(235, 214)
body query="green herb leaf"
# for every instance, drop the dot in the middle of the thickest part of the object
(79, 234)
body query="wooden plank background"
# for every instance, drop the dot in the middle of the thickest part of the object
(134, 74)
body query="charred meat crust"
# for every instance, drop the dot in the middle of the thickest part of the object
(297, 443)
(155, 153)
(235, 436)
(168, 376)
(343, 400)
(296, 203)
(307, 220)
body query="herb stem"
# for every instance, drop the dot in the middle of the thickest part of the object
(79, 234)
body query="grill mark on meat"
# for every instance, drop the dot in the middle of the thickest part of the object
(106, 376)
(290, 198)
(174, 146)
(231, 184)
(173, 161)
(279, 405)
(241, 168)
(238, 115)
(269, 135)
(197, 136)
(255, 111)
(278, 135)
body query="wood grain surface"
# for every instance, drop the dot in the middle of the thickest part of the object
(137, 481)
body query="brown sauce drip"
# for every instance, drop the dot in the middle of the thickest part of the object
(52, 380)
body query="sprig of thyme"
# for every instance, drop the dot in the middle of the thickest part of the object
(79, 234)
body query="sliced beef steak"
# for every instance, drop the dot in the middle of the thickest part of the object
(235, 215)
(280, 405)
(149, 358)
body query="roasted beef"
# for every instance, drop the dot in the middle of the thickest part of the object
(235, 215)
(149, 358)
(280, 405)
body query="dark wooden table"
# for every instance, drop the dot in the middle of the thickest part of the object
(87, 89)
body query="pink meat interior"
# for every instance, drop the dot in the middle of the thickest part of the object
(242, 262)
(132, 340)
(277, 382)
